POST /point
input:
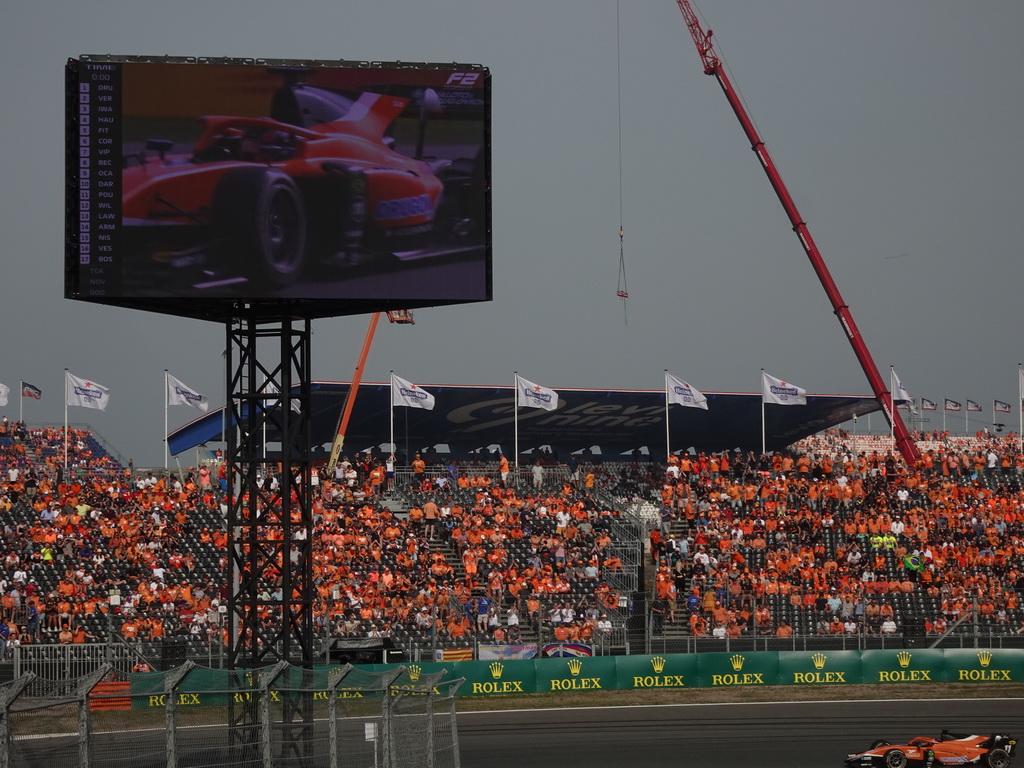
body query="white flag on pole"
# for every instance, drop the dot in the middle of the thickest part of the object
(271, 389)
(530, 395)
(5, 392)
(87, 394)
(779, 392)
(900, 396)
(179, 393)
(406, 394)
(681, 393)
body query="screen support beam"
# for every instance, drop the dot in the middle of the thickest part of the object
(270, 521)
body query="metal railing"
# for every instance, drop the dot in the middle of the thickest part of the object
(853, 642)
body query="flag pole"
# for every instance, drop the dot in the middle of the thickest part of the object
(1020, 403)
(892, 404)
(967, 414)
(515, 408)
(224, 412)
(66, 379)
(167, 463)
(764, 449)
(391, 413)
(668, 444)
(21, 402)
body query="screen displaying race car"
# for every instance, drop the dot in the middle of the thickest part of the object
(993, 751)
(350, 188)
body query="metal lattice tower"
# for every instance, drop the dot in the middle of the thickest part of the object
(270, 523)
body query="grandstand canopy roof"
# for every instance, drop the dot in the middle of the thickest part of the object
(468, 419)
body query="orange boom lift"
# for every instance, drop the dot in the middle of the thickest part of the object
(401, 317)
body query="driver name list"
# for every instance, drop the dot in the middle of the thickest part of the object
(99, 178)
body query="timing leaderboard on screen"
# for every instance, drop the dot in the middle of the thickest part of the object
(99, 177)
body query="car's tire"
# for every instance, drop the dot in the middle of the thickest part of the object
(259, 218)
(997, 758)
(880, 743)
(895, 758)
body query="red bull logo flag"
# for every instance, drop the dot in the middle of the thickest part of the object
(778, 392)
(679, 392)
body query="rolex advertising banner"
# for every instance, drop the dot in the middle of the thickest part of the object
(719, 670)
(673, 670)
(595, 673)
(670, 671)
(903, 666)
(495, 678)
(419, 673)
(984, 665)
(819, 668)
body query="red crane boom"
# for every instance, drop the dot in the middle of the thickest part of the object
(713, 66)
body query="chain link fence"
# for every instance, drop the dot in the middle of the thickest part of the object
(196, 717)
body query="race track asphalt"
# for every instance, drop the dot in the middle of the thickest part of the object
(763, 735)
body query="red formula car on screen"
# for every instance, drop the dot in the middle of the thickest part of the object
(993, 751)
(317, 181)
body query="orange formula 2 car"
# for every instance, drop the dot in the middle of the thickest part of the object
(993, 751)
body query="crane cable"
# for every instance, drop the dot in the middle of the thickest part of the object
(622, 292)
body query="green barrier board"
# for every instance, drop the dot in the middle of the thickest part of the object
(673, 670)
(819, 668)
(663, 672)
(718, 670)
(576, 674)
(903, 666)
(496, 678)
(984, 665)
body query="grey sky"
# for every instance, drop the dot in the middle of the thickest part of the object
(896, 126)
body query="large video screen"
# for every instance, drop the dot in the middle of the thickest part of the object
(196, 188)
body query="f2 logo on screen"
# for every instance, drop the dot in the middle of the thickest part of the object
(467, 79)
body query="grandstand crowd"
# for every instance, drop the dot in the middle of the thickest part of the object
(827, 538)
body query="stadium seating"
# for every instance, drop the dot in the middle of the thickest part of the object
(777, 532)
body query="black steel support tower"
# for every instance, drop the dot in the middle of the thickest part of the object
(270, 520)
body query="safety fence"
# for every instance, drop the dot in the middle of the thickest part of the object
(271, 717)
(972, 638)
(717, 670)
